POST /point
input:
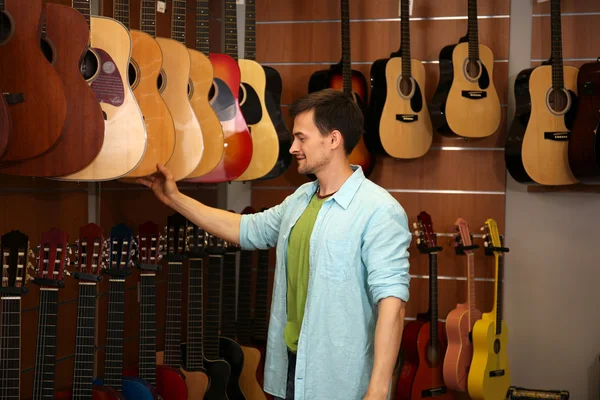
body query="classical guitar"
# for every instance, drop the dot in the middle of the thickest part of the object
(38, 111)
(144, 68)
(489, 376)
(460, 321)
(173, 86)
(5, 124)
(15, 251)
(238, 142)
(105, 67)
(65, 39)
(89, 253)
(465, 103)
(425, 343)
(584, 143)
(398, 118)
(341, 76)
(169, 361)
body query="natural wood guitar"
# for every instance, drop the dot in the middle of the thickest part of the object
(32, 88)
(466, 102)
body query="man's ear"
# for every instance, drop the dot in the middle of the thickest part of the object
(336, 139)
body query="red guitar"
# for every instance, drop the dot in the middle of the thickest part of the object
(424, 341)
(460, 321)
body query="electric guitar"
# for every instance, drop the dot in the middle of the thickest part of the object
(465, 103)
(398, 116)
(553, 97)
(14, 252)
(584, 143)
(424, 342)
(352, 82)
(489, 376)
(460, 321)
(38, 111)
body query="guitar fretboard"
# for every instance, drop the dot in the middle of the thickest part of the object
(212, 318)
(84, 7)
(346, 55)
(244, 297)
(173, 318)
(10, 347)
(194, 349)
(45, 355)
(499, 278)
(148, 17)
(84, 342)
(202, 27)
(147, 357)
(178, 21)
(113, 362)
(121, 12)
(433, 298)
(228, 310)
(473, 31)
(250, 41)
(261, 303)
(405, 39)
(231, 45)
(557, 58)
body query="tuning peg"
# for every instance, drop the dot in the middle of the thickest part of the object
(67, 272)
(414, 225)
(28, 278)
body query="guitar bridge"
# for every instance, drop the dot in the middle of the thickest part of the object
(557, 136)
(497, 373)
(434, 392)
(407, 117)
(474, 94)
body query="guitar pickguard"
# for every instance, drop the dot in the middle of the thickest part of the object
(108, 86)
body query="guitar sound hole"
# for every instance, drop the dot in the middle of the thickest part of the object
(89, 66)
(47, 50)
(190, 89)
(558, 100)
(212, 92)
(5, 27)
(473, 69)
(497, 346)
(132, 73)
(161, 81)
(406, 86)
(432, 353)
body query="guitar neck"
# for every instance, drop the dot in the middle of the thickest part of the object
(346, 54)
(433, 298)
(85, 347)
(405, 39)
(259, 327)
(178, 21)
(173, 318)
(244, 297)
(113, 361)
(202, 27)
(231, 45)
(45, 360)
(121, 12)
(498, 295)
(84, 7)
(250, 38)
(471, 288)
(557, 58)
(212, 320)
(148, 17)
(147, 357)
(194, 349)
(10, 346)
(473, 31)
(228, 325)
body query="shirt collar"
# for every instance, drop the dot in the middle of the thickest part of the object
(346, 193)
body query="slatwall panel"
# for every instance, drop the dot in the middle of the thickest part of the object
(300, 37)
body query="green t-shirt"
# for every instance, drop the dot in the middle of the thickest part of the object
(298, 265)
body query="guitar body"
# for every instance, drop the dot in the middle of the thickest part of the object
(584, 143)
(248, 379)
(460, 348)
(135, 388)
(231, 351)
(201, 82)
(171, 383)
(219, 373)
(514, 141)
(546, 160)
(67, 37)
(332, 78)
(237, 153)
(489, 357)
(39, 110)
(5, 125)
(265, 144)
(260, 371)
(124, 130)
(144, 69)
(189, 143)
(98, 393)
(410, 363)
(196, 382)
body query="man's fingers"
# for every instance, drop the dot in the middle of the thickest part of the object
(145, 181)
(163, 170)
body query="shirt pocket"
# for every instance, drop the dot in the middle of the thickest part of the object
(336, 260)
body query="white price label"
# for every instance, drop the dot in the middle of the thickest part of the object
(240, 2)
(410, 7)
(161, 6)
(541, 1)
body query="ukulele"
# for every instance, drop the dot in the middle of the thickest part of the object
(31, 86)
(584, 143)
(424, 342)
(144, 68)
(465, 103)
(398, 115)
(352, 82)
(5, 124)
(89, 253)
(460, 321)
(173, 86)
(238, 142)
(15, 251)
(65, 38)
(169, 361)
(105, 67)
(489, 376)
(553, 94)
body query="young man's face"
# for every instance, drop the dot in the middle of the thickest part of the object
(310, 147)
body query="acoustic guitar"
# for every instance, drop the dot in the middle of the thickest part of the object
(144, 68)
(38, 111)
(489, 376)
(341, 76)
(424, 342)
(105, 67)
(15, 252)
(584, 143)
(465, 103)
(460, 321)
(65, 39)
(5, 124)
(238, 142)
(398, 117)
(173, 86)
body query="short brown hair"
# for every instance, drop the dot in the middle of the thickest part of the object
(333, 110)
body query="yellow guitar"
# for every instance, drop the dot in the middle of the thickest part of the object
(489, 376)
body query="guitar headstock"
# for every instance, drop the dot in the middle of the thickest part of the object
(492, 239)
(197, 241)
(215, 245)
(120, 251)
(463, 240)
(15, 252)
(426, 237)
(53, 253)
(149, 243)
(176, 246)
(90, 253)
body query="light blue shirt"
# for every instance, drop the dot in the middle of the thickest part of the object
(358, 256)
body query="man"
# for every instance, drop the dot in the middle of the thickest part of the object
(341, 280)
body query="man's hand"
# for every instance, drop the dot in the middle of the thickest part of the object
(162, 184)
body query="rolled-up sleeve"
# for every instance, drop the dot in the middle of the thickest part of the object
(260, 230)
(385, 253)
